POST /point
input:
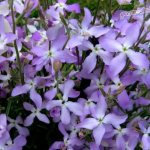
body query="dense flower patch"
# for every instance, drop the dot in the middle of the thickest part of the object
(86, 76)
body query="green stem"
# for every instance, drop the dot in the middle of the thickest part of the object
(109, 9)
(19, 62)
(15, 43)
(19, 17)
(96, 12)
(8, 107)
(67, 29)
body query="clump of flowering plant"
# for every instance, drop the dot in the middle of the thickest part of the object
(72, 78)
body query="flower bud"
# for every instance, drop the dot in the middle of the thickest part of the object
(29, 6)
(57, 66)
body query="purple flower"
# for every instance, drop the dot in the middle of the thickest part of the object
(66, 105)
(35, 112)
(89, 105)
(82, 32)
(55, 53)
(29, 6)
(17, 124)
(124, 100)
(61, 5)
(95, 51)
(99, 120)
(145, 138)
(123, 49)
(90, 73)
(17, 143)
(68, 143)
(29, 86)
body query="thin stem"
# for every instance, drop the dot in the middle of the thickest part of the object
(67, 30)
(12, 15)
(109, 9)
(96, 12)
(19, 62)
(8, 107)
(15, 43)
(78, 57)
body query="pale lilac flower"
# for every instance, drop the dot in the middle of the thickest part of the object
(126, 138)
(67, 143)
(55, 53)
(29, 86)
(17, 143)
(82, 32)
(17, 124)
(29, 6)
(124, 50)
(145, 138)
(35, 112)
(96, 51)
(100, 119)
(124, 100)
(89, 104)
(61, 5)
(66, 105)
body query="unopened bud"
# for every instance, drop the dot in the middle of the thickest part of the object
(30, 5)
(57, 66)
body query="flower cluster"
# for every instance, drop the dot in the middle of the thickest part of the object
(85, 74)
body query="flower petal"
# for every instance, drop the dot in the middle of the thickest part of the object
(74, 107)
(68, 86)
(124, 100)
(20, 140)
(98, 31)
(3, 120)
(89, 123)
(49, 95)
(29, 120)
(98, 134)
(20, 89)
(117, 64)
(87, 18)
(65, 115)
(130, 37)
(42, 117)
(52, 104)
(106, 56)
(138, 59)
(36, 98)
(74, 41)
(114, 120)
(146, 142)
(27, 106)
(120, 142)
(73, 8)
(89, 63)
(100, 109)
(110, 45)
